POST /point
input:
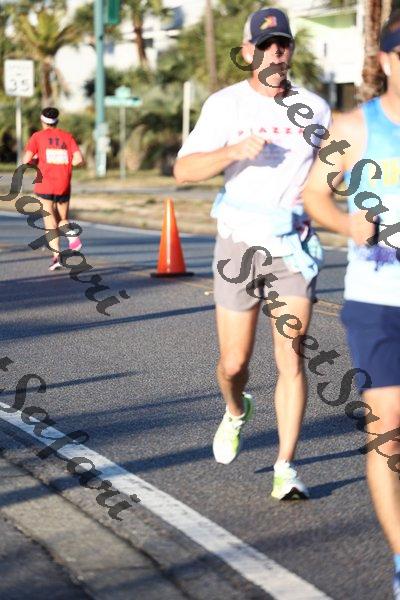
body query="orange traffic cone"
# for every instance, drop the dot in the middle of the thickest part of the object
(170, 259)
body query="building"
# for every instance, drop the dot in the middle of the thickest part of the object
(121, 55)
(337, 41)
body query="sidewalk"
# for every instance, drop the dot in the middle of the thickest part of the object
(27, 571)
(51, 549)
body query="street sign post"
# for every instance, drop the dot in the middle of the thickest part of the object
(19, 81)
(101, 158)
(102, 140)
(122, 100)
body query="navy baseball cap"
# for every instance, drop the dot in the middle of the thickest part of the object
(266, 23)
(390, 36)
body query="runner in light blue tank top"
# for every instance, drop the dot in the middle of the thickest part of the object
(371, 312)
(373, 273)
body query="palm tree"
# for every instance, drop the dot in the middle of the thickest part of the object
(376, 13)
(137, 10)
(187, 60)
(44, 39)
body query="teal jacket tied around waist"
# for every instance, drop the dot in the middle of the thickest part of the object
(294, 226)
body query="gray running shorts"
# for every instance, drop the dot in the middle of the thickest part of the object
(233, 294)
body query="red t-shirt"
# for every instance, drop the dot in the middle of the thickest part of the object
(54, 149)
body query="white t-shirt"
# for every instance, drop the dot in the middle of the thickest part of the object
(276, 177)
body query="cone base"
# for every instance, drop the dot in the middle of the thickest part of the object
(185, 274)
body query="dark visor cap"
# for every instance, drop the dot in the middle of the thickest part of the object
(390, 39)
(267, 23)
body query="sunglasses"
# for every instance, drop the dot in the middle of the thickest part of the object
(281, 42)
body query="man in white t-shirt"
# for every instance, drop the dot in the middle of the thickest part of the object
(248, 132)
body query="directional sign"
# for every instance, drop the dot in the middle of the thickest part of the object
(19, 77)
(122, 102)
(112, 12)
(123, 92)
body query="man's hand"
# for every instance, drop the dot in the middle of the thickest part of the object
(248, 149)
(77, 159)
(203, 165)
(360, 229)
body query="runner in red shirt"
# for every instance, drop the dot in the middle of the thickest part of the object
(57, 152)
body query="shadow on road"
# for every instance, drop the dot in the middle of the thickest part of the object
(315, 459)
(326, 489)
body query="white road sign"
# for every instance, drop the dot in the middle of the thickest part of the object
(122, 102)
(19, 77)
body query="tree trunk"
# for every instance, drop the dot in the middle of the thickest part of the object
(210, 46)
(376, 13)
(47, 89)
(386, 10)
(138, 29)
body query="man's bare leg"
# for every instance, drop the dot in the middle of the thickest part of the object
(236, 334)
(384, 484)
(51, 224)
(63, 211)
(291, 387)
(65, 226)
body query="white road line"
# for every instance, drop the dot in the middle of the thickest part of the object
(145, 231)
(157, 232)
(119, 228)
(130, 229)
(240, 556)
(8, 213)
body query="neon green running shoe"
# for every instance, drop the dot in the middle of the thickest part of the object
(227, 441)
(287, 485)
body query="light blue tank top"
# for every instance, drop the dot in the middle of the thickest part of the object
(373, 272)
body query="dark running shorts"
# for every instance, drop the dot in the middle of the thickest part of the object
(373, 334)
(55, 197)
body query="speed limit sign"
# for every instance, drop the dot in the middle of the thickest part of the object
(19, 77)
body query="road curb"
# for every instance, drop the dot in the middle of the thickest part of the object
(185, 565)
(103, 564)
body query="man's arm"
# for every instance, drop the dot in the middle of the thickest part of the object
(318, 195)
(31, 149)
(204, 165)
(28, 155)
(77, 159)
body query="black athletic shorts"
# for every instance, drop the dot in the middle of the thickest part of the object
(373, 333)
(55, 197)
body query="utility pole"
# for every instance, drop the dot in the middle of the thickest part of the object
(122, 142)
(18, 129)
(187, 97)
(210, 47)
(101, 126)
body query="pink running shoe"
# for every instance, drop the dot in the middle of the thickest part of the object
(76, 244)
(55, 264)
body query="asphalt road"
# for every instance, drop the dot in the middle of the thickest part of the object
(141, 383)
